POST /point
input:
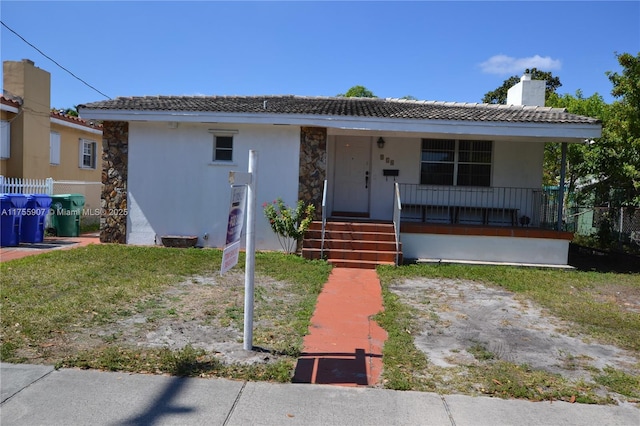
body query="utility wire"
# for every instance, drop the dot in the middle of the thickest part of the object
(52, 60)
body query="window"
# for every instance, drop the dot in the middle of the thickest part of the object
(87, 154)
(54, 148)
(223, 150)
(456, 162)
(5, 139)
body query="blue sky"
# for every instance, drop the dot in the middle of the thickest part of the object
(444, 51)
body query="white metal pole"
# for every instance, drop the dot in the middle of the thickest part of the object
(563, 171)
(250, 258)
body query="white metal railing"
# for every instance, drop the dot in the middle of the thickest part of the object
(26, 186)
(495, 206)
(324, 217)
(397, 214)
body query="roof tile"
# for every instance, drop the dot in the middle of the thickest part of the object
(339, 106)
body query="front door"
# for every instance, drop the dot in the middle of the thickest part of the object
(352, 178)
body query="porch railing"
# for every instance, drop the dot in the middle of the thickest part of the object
(397, 214)
(324, 217)
(492, 206)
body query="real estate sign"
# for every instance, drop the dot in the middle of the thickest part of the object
(234, 227)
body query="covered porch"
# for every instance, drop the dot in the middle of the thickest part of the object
(480, 225)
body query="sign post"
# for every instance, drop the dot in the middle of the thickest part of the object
(241, 184)
(250, 260)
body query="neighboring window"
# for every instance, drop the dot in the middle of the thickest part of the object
(456, 162)
(54, 148)
(5, 139)
(223, 148)
(87, 154)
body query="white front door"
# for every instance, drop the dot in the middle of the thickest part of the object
(352, 178)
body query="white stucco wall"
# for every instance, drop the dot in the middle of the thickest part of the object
(518, 164)
(485, 249)
(174, 187)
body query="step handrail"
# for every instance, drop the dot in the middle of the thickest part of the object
(324, 217)
(397, 213)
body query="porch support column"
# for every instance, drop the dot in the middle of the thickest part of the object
(563, 171)
(313, 166)
(115, 164)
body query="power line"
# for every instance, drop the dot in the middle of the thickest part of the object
(52, 60)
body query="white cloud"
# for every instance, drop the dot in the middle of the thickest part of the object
(503, 64)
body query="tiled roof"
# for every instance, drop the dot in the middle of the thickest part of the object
(343, 107)
(75, 120)
(14, 102)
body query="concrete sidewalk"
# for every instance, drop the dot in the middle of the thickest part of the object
(40, 395)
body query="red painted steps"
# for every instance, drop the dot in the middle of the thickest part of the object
(352, 244)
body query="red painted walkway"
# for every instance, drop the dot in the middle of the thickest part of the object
(344, 344)
(49, 244)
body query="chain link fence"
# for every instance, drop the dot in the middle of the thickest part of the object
(622, 224)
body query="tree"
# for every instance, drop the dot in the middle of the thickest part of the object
(499, 96)
(357, 92)
(610, 166)
(616, 157)
(73, 112)
(579, 157)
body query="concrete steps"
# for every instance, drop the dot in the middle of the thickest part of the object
(352, 244)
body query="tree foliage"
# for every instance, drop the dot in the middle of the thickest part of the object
(289, 224)
(579, 157)
(358, 92)
(499, 96)
(616, 157)
(73, 112)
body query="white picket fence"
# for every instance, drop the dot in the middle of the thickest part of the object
(90, 190)
(26, 186)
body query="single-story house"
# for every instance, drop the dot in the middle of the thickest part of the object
(460, 181)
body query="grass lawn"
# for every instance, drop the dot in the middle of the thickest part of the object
(49, 297)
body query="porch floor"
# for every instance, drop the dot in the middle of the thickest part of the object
(483, 230)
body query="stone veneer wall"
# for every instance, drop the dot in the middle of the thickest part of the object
(313, 166)
(115, 161)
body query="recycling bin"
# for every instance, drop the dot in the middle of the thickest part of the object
(11, 207)
(66, 210)
(34, 216)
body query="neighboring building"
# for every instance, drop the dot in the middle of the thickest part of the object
(469, 175)
(37, 143)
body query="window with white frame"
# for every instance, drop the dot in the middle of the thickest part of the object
(456, 162)
(54, 148)
(88, 153)
(223, 148)
(5, 139)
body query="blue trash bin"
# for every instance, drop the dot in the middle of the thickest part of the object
(34, 216)
(11, 207)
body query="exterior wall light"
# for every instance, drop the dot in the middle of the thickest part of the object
(380, 143)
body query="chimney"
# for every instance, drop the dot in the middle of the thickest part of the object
(527, 92)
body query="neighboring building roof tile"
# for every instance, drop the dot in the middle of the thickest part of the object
(75, 120)
(14, 102)
(340, 106)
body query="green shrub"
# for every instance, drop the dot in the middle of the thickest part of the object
(289, 224)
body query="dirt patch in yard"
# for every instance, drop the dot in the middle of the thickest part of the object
(458, 319)
(205, 312)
